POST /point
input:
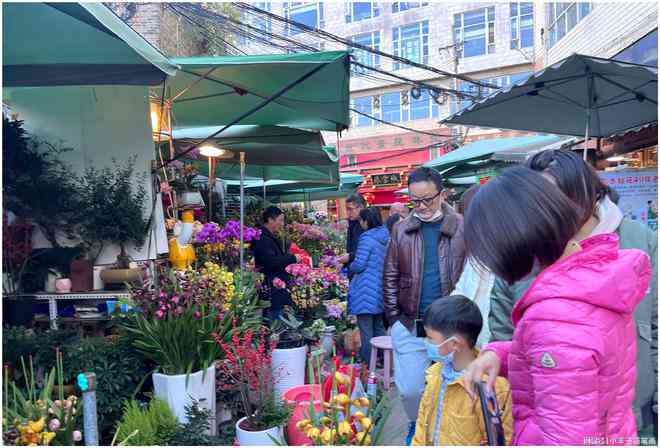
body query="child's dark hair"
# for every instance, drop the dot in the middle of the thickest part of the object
(453, 315)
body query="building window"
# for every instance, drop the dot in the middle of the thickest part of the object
(422, 104)
(310, 14)
(411, 42)
(405, 6)
(483, 92)
(390, 104)
(522, 25)
(562, 18)
(356, 11)
(475, 30)
(644, 51)
(263, 23)
(371, 40)
(365, 105)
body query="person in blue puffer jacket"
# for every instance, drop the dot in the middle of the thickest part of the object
(365, 293)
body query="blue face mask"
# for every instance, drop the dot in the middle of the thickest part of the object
(433, 352)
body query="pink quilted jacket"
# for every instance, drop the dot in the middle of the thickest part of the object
(571, 363)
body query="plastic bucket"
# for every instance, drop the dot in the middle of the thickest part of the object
(300, 397)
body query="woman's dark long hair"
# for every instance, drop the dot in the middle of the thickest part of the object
(517, 218)
(574, 177)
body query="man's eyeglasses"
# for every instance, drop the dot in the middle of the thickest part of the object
(426, 201)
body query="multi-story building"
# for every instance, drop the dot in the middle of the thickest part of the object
(489, 41)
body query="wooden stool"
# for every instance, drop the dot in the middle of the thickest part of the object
(382, 343)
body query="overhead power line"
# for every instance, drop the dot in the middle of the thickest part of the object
(349, 43)
(397, 125)
(402, 153)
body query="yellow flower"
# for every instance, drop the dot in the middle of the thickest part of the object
(345, 429)
(302, 424)
(342, 378)
(314, 433)
(328, 436)
(364, 402)
(326, 421)
(37, 426)
(358, 415)
(342, 399)
(366, 424)
(47, 437)
(362, 438)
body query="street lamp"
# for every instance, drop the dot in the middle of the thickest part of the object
(213, 153)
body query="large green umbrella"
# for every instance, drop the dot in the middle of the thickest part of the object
(65, 44)
(211, 91)
(580, 95)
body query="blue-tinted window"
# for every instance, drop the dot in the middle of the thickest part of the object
(522, 25)
(644, 51)
(405, 6)
(356, 11)
(561, 18)
(364, 105)
(420, 108)
(411, 42)
(371, 40)
(310, 14)
(390, 105)
(476, 31)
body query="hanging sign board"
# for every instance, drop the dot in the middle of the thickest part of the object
(638, 191)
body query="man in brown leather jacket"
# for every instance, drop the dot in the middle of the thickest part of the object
(424, 261)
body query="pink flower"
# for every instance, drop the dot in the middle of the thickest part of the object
(54, 425)
(77, 436)
(278, 283)
(175, 299)
(165, 187)
(197, 315)
(160, 314)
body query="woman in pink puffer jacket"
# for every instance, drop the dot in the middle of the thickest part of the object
(571, 363)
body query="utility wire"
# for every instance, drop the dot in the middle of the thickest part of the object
(396, 125)
(401, 153)
(349, 43)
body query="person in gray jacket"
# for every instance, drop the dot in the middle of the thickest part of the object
(581, 183)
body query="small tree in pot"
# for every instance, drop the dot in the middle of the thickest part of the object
(112, 209)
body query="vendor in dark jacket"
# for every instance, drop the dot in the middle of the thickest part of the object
(271, 259)
(354, 205)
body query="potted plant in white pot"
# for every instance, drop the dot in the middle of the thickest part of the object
(180, 327)
(247, 369)
(289, 353)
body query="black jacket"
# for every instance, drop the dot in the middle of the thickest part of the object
(271, 259)
(355, 230)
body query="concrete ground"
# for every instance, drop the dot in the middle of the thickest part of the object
(396, 428)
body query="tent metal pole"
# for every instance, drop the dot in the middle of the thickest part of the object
(242, 261)
(590, 81)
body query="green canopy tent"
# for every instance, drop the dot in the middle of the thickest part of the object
(211, 91)
(292, 191)
(579, 95)
(75, 44)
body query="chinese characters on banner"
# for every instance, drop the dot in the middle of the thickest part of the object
(638, 191)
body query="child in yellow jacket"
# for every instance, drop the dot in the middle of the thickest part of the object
(447, 414)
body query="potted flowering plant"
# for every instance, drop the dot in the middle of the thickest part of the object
(309, 237)
(222, 244)
(247, 365)
(32, 418)
(346, 415)
(179, 324)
